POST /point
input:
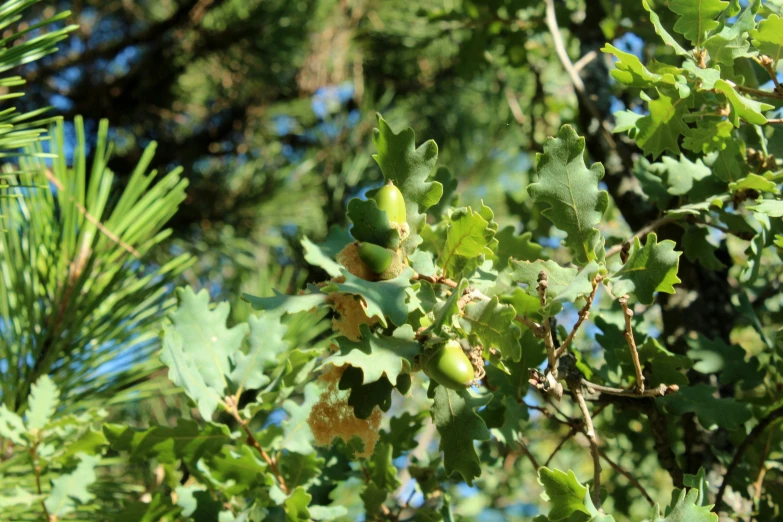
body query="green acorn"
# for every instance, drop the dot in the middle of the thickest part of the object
(377, 258)
(390, 200)
(449, 366)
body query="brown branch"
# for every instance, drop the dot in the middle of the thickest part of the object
(537, 329)
(594, 451)
(573, 74)
(757, 92)
(658, 391)
(231, 407)
(524, 449)
(573, 431)
(628, 313)
(583, 314)
(635, 483)
(754, 434)
(435, 280)
(774, 121)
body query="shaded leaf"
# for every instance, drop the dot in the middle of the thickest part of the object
(371, 224)
(379, 298)
(710, 410)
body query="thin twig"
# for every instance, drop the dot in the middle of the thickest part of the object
(658, 391)
(757, 92)
(573, 431)
(524, 449)
(628, 313)
(536, 328)
(774, 121)
(591, 436)
(231, 407)
(642, 231)
(435, 280)
(543, 283)
(573, 74)
(635, 483)
(754, 434)
(582, 62)
(583, 314)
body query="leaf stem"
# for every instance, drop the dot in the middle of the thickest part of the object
(628, 313)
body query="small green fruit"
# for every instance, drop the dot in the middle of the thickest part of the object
(377, 258)
(449, 366)
(390, 200)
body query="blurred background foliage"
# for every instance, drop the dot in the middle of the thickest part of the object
(269, 105)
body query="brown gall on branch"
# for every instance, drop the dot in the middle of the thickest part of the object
(628, 313)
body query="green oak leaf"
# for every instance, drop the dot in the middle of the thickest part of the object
(300, 470)
(629, 70)
(515, 246)
(454, 417)
(743, 107)
(409, 168)
(711, 411)
(446, 310)
(570, 500)
(706, 76)
(184, 372)
(12, 426)
(287, 304)
(379, 298)
(234, 471)
(697, 17)
(768, 37)
(402, 432)
(771, 207)
(727, 361)
(372, 224)
(682, 174)
(44, 398)
(376, 355)
(493, 323)
(732, 40)
(266, 344)
(189, 441)
(469, 236)
(209, 344)
(664, 366)
(754, 182)
(564, 284)
(297, 436)
(649, 176)
(19, 497)
(659, 130)
(71, 489)
(708, 136)
(383, 478)
(317, 256)
(684, 508)
(296, 506)
(650, 268)
(699, 483)
(663, 33)
(570, 190)
(697, 248)
(450, 197)
(365, 397)
(197, 502)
